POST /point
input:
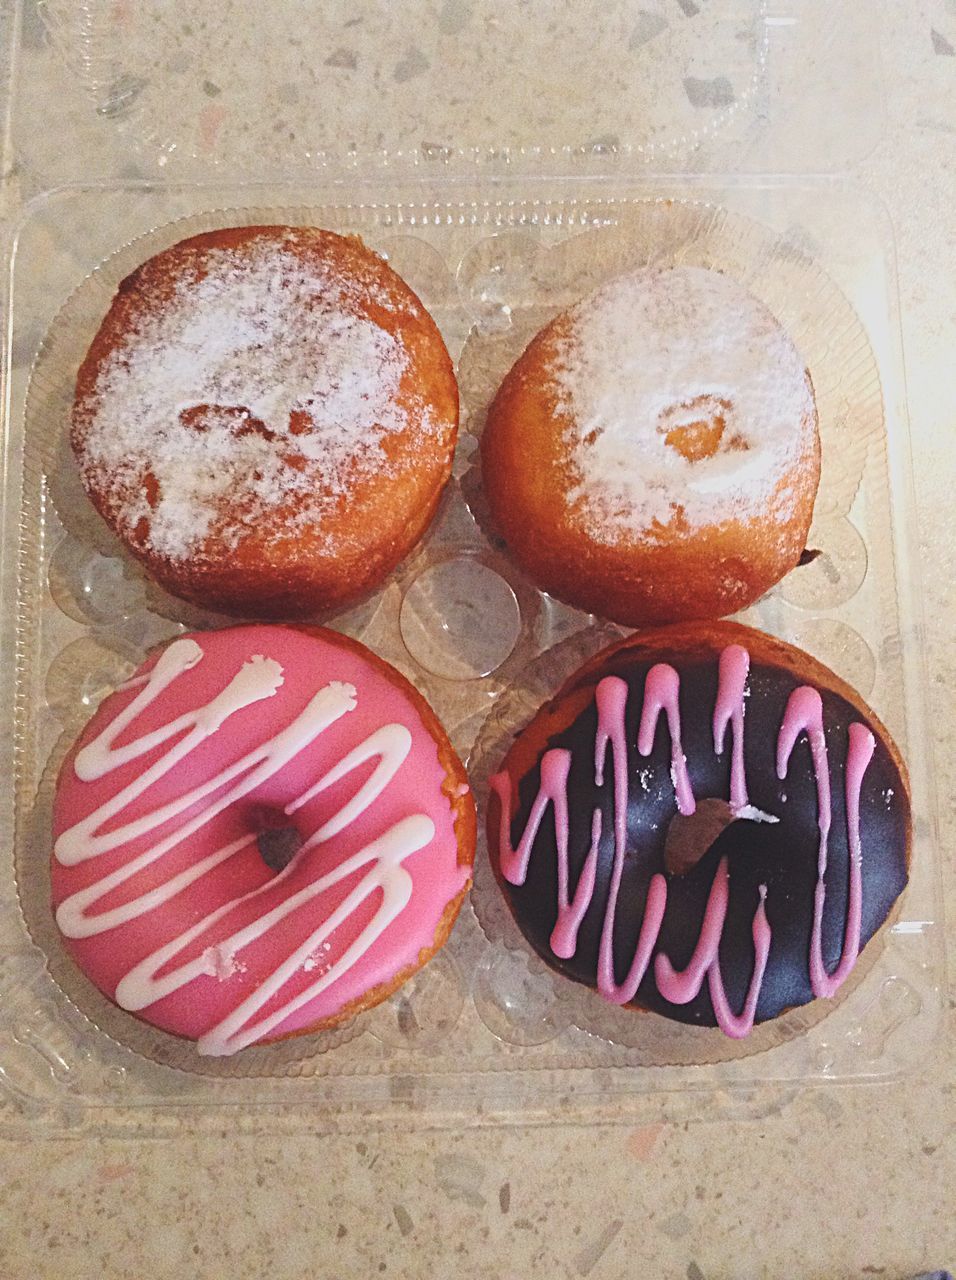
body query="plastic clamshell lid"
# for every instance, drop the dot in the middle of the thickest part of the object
(261, 90)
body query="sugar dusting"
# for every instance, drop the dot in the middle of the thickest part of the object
(661, 354)
(259, 390)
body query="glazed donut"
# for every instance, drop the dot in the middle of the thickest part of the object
(704, 822)
(266, 419)
(261, 833)
(653, 456)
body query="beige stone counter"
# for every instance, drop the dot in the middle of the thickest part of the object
(844, 1183)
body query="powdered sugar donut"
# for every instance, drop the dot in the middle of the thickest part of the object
(653, 456)
(266, 418)
(262, 832)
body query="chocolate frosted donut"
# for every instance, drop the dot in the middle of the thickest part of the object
(705, 822)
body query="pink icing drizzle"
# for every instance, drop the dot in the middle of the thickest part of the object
(611, 697)
(223, 730)
(804, 713)
(661, 693)
(681, 986)
(555, 766)
(729, 709)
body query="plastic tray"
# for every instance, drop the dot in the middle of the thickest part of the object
(481, 1034)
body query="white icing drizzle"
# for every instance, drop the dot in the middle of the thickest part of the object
(655, 353)
(258, 678)
(140, 987)
(391, 744)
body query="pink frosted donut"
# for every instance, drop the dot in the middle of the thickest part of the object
(229, 748)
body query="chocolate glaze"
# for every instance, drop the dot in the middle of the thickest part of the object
(782, 856)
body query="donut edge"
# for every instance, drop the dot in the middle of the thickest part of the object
(217, 585)
(455, 787)
(665, 644)
(464, 821)
(607, 580)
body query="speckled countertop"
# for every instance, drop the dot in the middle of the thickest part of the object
(840, 1183)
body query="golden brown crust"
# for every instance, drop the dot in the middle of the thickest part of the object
(529, 481)
(276, 571)
(375, 995)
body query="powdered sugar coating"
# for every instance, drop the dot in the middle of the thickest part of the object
(256, 393)
(653, 353)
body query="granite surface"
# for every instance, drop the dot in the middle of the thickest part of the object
(840, 1183)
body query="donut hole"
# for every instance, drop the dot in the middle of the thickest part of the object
(691, 836)
(278, 834)
(696, 428)
(277, 840)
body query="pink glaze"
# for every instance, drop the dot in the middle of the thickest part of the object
(159, 889)
(804, 713)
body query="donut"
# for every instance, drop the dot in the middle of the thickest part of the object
(704, 822)
(266, 419)
(653, 456)
(261, 833)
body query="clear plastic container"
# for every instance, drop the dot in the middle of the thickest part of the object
(496, 234)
